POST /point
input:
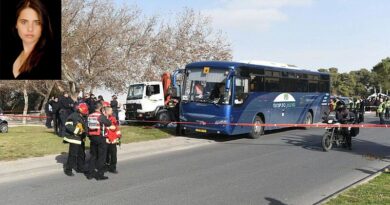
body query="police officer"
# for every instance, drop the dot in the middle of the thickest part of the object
(387, 106)
(97, 125)
(362, 109)
(381, 110)
(66, 106)
(75, 135)
(55, 115)
(91, 102)
(49, 112)
(115, 105)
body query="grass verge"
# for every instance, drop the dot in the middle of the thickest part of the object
(36, 141)
(374, 192)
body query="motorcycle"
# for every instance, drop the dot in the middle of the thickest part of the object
(337, 135)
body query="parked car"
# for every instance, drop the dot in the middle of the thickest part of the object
(3, 126)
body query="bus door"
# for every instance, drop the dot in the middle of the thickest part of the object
(242, 111)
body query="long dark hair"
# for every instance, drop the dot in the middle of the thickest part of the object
(46, 36)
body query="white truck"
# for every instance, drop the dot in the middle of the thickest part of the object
(154, 100)
(144, 100)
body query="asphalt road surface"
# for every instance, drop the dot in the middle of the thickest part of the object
(283, 167)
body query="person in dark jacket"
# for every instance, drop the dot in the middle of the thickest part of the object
(98, 122)
(75, 134)
(115, 105)
(100, 99)
(66, 106)
(55, 115)
(49, 112)
(343, 115)
(90, 100)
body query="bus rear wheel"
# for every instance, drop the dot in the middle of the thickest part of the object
(257, 128)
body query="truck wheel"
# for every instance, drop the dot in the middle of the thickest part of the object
(3, 128)
(257, 129)
(163, 118)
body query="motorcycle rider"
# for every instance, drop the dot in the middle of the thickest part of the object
(343, 115)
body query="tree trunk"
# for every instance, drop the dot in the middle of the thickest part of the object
(38, 103)
(25, 95)
(47, 97)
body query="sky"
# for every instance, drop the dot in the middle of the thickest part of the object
(312, 34)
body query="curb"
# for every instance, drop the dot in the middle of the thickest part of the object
(351, 186)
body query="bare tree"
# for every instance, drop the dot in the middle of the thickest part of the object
(104, 45)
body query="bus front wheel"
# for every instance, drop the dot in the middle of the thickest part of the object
(257, 128)
(308, 120)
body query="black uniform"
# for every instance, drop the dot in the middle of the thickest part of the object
(55, 116)
(98, 150)
(49, 114)
(362, 110)
(75, 135)
(343, 116)
(66, 106)
(114, 106)
(91, 104)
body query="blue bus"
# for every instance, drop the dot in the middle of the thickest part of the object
(218, 93)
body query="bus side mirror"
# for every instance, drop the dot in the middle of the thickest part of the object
(175, 91)
(227, 85)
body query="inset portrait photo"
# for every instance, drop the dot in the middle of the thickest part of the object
(30, 40)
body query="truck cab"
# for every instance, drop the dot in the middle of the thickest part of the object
(144, 100)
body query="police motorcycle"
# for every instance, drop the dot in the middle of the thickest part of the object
(337, 135)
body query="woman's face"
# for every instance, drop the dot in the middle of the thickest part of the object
(29, 26)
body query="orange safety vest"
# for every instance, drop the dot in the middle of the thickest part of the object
(94, 126)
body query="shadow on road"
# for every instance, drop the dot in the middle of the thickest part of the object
(369, 172)
(367, 149)
(272, 201)
(227, 138)
(61, 159)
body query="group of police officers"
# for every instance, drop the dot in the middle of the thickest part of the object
(92, 118)
(384, 110)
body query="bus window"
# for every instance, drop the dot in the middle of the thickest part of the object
(272, 84)
(276, 74)
(313, 86)
(302, 85)
(242, 89)
(257, 84)
(288, 85)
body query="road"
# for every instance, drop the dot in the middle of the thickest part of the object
(283, 167)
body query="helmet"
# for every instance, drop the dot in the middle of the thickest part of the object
(106, 104)
(83, 108)
(340, 103)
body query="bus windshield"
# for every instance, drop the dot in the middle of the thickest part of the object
(207, 88)
(135, 92)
